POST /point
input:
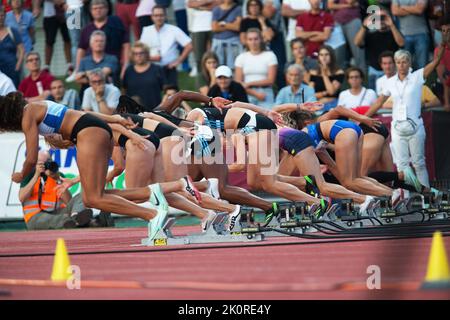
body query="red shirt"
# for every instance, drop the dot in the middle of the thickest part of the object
(29, 87)
(314, 22)
(26, 5)
(446, 62)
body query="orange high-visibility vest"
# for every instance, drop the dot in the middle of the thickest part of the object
(49, 199)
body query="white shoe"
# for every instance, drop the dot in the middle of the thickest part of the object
(397, 196)
(159, 202)
(206, 222)
(213, 188)
(233, 218)
(194, 72)
(71, 78)
(366, 205)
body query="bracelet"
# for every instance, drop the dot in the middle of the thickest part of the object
(210, 102)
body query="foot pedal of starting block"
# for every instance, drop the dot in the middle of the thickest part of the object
(385, 210)
(164, 236)
(348, 212)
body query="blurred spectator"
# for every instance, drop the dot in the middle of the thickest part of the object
(413, 26)
(31, 5)
(54, 20)
(117, 38)
(97, 59)
(143, 78)
(181, 17)
(100, 97)
(163, 39)
(200, 20)
(23, 21)
(144, 13)
(182, 110)
(226, 87)
(272, 11)
(36, 86)
(370, 39)
(126, 11)
(443, 69)
(292, 9)
(11, 50)
(256, 70)
(327, 78)
(210, 61)
(346, 14)
(67, 97)
(357, 95)
(255, 19)
(296, 91)
(76, 19)
(225, 26)
(428, 99)
(387, 64)
(6, 85)
(314, 27)
(301, 59)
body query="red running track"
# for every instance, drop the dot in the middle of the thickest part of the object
(112, 267)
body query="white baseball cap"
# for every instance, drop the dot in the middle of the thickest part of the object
(224, 71)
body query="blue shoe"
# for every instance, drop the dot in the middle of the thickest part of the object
(411, 179)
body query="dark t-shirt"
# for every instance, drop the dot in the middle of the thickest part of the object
(116, 36)
(373, 49)
(146, 85)
(248, 23)
(236, 92)
(319, 84)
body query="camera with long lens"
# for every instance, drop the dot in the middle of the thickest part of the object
(51, 166)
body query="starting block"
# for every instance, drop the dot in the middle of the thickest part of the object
(344, 215)
(292, 217)
(216, 233)
(385, 211)
(436, 207)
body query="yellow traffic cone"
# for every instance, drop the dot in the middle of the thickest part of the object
(438, 275)
(61, 262)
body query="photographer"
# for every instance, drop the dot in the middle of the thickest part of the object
(43, 208)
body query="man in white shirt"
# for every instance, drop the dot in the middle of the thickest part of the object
(163, 40)
(356, 95)
(100, 97)
(387, 64)
(6, 85)
(407, 129)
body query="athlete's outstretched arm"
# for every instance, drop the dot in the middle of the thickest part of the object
(341, 111)
(174, 101)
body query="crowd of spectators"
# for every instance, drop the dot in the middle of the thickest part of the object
(262, 51)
